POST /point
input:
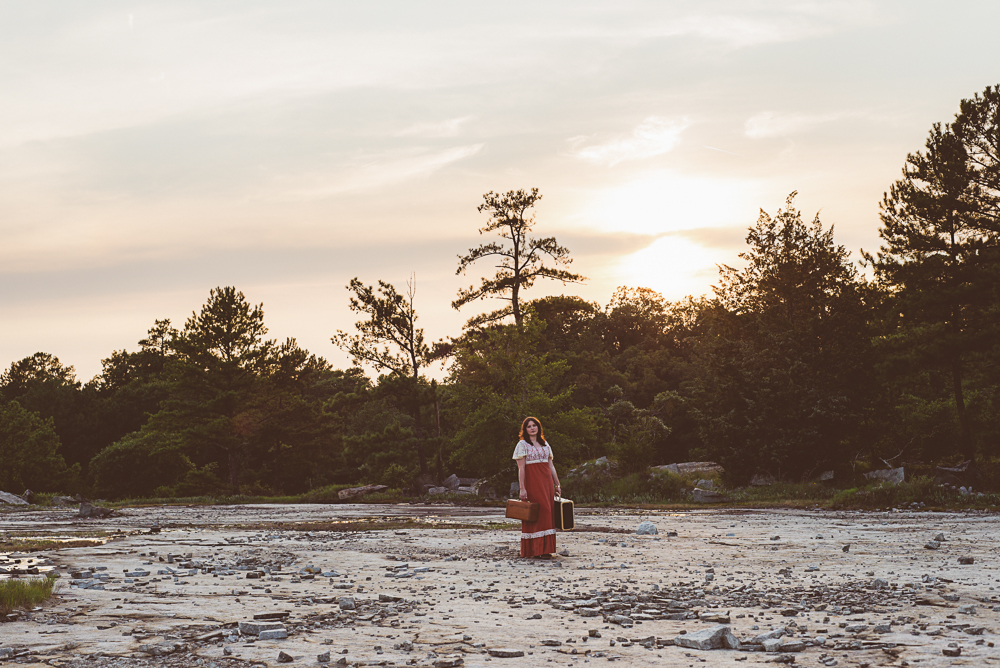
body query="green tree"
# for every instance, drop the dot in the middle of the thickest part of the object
(215, 410)
(29, 450)
(520, 258)
(389, 339)
(781, 366)
(939, 255)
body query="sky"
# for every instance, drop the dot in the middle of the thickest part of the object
(152, 151)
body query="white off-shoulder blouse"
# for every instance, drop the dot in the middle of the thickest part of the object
(532, 453)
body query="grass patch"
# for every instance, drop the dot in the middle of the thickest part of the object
(377, 524)
(25, 594)
(24, 541)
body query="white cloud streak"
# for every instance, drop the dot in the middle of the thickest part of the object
(654, 136)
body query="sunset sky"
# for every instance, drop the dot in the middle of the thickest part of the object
(150, 151)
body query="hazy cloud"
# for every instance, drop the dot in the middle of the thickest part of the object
(770, 124)
(654, 136)
(448, 128)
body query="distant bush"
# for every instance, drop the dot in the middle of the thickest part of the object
(135, 467)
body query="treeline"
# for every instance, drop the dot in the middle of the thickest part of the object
(800, 362)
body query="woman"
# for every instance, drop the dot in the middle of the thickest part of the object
(539, 483)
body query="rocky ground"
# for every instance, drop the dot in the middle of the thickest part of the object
(443, 586)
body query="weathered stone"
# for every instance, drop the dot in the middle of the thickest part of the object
(770, 635)
(966, 560)
(952, 651)
(887, 475)
(771, 645)
(273, 634)
(346, 603)
(357, 492)
(438, 490)
(699, 495)
(284, 658)
(255, 628)
(883, 628)
(161, 649)
(323, 658)
(717, 637)
(967, 609)
(451, 482)
(684, 467)
(646, 528)
(91, 511)
(792, 646)
(940, 538)
(621, 620)
(826, 475)
(28, 496)
(932, 545)
(12, 499)
(505, 653)
(551, 643)
(453, 662)
(856, 628)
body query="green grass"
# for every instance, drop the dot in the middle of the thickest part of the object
(25, 594)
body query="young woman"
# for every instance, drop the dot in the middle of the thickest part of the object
(539, 484)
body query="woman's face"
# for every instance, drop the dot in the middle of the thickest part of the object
(532, 429)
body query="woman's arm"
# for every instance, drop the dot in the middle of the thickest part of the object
(555, 477)
(523, 494)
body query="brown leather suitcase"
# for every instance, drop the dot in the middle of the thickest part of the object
(526, 511)
(562, 514)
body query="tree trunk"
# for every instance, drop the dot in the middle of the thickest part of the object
(967, 447)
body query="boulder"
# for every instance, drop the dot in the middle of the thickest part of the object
(451, 482)
(826, 475)
(705, 484)
(465, 490)
(762, 480)
(358, 492)
(28, 496)
(716, 637)
(64, 501)
(691, 467)
(93, 512)
(965, 474)
(699, 495)
(646, 528)
(438, 490)
(887, 475)
(12, 499)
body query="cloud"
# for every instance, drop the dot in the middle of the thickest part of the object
(654, 136)
(448, 128)
(768, 124)
(376, 171)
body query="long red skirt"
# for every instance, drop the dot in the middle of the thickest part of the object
(539, 537)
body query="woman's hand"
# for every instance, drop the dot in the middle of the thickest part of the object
(523, 494)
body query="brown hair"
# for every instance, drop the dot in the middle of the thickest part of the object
(524, 430)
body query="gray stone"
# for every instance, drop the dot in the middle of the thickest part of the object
(826, 475)
(932, 545)
(323, 658)
(770, 635)
(284, 658)
(453, 662)
(792, 646)
(6, 652)
(161, 649)
(646, 528)
(357, 492)
(856, 628)
(887, 475)
(705, 484)
(451, 482)
(883, 628)
(12, 499)
(505, 653)
(438, 490)
(940, 538)
(699, 495)
(255, 628)
(880, 583)
(717, 637)
(273, 634)
(771, 645)
(346, 603)
(967, 609)
(966, 560)
(952, 651)
(551, 643)
(621, 620)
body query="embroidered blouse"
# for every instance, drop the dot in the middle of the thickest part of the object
(533, 454)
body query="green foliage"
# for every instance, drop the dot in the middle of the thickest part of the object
(25, 594)
(136, 466)
(520, 261)
(782, 367)
(29, 451)
(498, 379)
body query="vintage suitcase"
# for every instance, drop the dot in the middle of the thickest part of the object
(526, 511)
(563, 514)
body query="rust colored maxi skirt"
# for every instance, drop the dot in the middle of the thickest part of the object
(539, 537)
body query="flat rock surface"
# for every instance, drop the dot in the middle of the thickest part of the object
(432, 593)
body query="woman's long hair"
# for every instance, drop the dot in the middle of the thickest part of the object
(524, 430)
